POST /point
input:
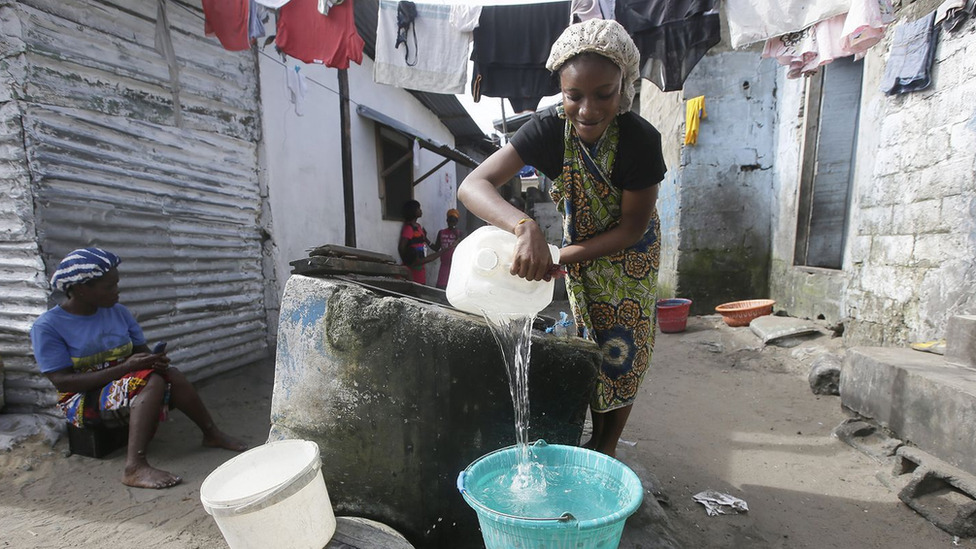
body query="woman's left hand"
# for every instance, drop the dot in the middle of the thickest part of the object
(161, 363)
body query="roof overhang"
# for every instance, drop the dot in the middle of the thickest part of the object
(448, 152)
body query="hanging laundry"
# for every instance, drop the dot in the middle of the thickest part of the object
(865, 25)
(255, 21)
(228, 21)
(909, 65)
(946, 8)
(309, 36)
(642, 15)
(465, 17)
(584, 10)
(438, 60)
(694, 112)
(325, 5)
(755, 20)
(297, 88)
(672, 36)
(806, 50)
(406, 16)
(511, 45)
(952, 13)
(843, 35)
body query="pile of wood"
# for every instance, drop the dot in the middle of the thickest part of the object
(334, 260)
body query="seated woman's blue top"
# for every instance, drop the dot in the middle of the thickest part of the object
(85, 342)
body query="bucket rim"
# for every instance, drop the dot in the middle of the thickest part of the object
(568, 519)
(673, 302)
(264, 498)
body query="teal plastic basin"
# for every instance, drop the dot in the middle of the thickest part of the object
(505, 531)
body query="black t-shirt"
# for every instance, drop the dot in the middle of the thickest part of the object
(639, 163)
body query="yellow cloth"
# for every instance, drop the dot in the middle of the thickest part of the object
(695, 112)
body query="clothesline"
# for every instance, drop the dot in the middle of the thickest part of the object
(271, 57)
(436, 34)
(486, 2)
(312, 80)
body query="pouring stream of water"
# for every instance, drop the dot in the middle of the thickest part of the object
(513, 333)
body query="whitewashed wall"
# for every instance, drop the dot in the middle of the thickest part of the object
(666, 112)
(304, 169)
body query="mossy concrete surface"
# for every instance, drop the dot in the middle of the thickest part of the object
(401, 395)
(711, 277)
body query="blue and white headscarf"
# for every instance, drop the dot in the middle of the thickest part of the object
(82, 265)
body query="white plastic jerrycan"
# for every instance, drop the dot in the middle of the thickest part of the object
(480, 278)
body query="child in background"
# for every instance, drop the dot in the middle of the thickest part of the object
(444, 243)
(413, 239)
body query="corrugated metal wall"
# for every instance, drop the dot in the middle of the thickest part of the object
(109, 166)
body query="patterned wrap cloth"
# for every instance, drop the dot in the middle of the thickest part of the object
(613, 297)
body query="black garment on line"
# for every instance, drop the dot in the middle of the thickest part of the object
(406, 15)
(642, 15)
(639, 162)
(511, 45)
(671, 35)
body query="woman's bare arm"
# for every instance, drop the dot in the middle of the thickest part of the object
(479, 194)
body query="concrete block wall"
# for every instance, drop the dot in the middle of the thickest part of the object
(727, 182)
(912, 239)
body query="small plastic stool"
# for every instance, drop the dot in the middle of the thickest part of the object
(96, 442)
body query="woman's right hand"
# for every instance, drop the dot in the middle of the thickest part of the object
(141, 361)
(532, 259)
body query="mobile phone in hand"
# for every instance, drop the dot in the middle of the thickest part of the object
(160, 348)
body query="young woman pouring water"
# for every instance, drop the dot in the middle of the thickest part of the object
(605, 163)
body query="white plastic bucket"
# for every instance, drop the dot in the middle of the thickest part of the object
(271, 496)
(480, 278)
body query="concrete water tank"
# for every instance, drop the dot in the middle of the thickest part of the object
(402, 393)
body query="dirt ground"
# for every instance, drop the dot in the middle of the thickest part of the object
(716, 412)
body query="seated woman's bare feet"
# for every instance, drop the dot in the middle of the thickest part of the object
(144, 476)
(220, 439)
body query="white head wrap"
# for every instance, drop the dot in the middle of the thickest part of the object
(607, 38)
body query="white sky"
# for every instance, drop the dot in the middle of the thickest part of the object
(489, 109)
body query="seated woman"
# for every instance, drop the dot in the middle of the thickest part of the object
(94, 352)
